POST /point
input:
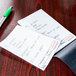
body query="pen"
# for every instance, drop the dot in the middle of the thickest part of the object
(5, 16)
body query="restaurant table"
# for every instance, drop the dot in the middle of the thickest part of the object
(64, 11)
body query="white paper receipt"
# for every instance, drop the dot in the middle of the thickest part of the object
(41, 22)
(31, 46)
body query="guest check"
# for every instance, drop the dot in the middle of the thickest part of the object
(41, 22)
(37, 39)
(31, 46)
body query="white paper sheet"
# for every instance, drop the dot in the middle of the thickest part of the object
(31, 46)
(41, 22)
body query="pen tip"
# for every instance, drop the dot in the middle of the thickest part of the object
(11, 7)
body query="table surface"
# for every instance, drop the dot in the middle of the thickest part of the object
(64, 11)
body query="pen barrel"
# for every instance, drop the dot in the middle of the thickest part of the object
(8, 12)
(2, 21)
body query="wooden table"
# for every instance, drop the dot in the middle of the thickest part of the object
(64, 11)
